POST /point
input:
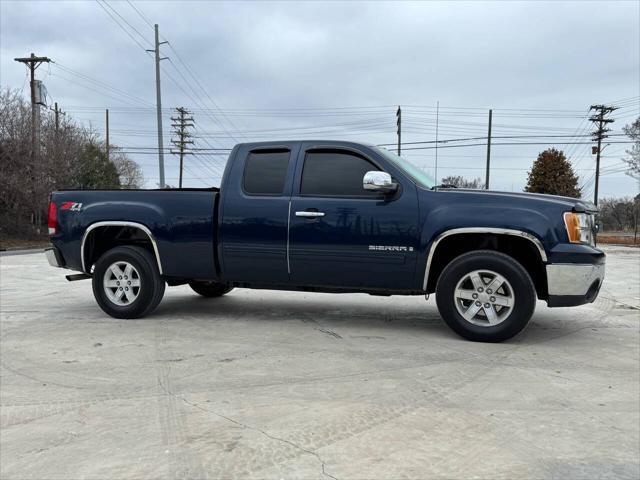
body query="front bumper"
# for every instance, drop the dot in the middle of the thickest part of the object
(54, 257)
(573, 284)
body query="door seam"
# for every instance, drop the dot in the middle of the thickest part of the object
(288, 235)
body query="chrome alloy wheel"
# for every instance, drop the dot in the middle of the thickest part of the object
(484, 298)
(121, 283)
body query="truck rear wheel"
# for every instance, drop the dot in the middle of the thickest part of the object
(210, 289)
(127, 282)
(485, 296)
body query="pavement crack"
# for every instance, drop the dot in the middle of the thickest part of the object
(256, 429)
(329, 332)
(627, 305)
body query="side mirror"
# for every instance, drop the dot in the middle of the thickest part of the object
(379, 182)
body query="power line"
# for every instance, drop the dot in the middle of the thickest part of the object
(493, 137)
(100, 83)
(142, 15)
(213, 118)
(430, 148)
(91, 88)
(144, 39)
(185, 92)
(119, 24)
(502, 144)
(193, 76)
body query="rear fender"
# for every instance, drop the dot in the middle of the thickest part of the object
(117, 223)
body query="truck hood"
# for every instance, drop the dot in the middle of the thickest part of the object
(576, 204)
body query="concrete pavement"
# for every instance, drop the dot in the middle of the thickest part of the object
(269, 385)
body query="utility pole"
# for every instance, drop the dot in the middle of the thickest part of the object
(399, 125)
(159, 105)
(57, 111)
(183, 138)
(33, 63)
(57, 117)
(599, 135)
(437, 124)
(107, 131)
(486, 180)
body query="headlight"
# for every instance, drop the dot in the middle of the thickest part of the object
(579, 227)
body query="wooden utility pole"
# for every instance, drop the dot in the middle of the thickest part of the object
(32, 64)
(435, 174)
(57, 117)
(486, 179)
(159, 105)
(599, 135)
(182, 138)
(107, 132)
(399, 125)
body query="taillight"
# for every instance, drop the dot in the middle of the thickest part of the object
(52, 221)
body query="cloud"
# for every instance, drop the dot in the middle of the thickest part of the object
(286, 55)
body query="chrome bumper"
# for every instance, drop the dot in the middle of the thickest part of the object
(53, 257)
(580, 283)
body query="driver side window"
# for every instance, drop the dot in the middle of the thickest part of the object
(334, 173)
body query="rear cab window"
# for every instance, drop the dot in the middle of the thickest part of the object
(265, 172)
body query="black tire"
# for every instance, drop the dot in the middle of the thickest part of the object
(210, 289)
(151, 288)
(523, 292)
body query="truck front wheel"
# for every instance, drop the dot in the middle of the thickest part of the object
(210, 289)
(485, 296)
(127, 282)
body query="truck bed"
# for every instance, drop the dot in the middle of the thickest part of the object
(181, 221)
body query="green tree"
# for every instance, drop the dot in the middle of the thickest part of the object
(96, 171)
(552, 173)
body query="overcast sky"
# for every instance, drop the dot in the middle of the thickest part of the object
(276, 70)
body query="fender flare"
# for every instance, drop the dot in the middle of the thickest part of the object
(117, 223)
(498, 231)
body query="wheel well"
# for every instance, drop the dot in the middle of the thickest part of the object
(520, 249)
(101, 239)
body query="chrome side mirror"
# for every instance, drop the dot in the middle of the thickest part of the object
(379, 182)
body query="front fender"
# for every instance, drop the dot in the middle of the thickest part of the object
(444, 218)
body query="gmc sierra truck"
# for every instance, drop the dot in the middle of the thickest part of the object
(333, 216)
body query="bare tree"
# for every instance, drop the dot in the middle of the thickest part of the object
(16, 196)
(129, 171)
(461, 182)
(71, 156)
(633, 153)
(618, 214)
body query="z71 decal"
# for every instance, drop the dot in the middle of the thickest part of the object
(71, 206)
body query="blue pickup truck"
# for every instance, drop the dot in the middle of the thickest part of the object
(333, 216)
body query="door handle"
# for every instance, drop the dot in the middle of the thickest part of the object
(309, 214)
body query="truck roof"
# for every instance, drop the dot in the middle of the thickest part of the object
(336, 143)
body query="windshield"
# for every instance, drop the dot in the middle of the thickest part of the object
(418, 176)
